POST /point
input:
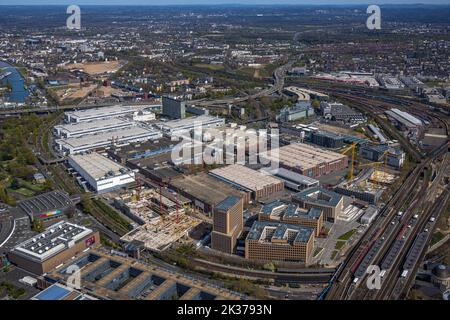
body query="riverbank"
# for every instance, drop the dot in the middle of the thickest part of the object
(16, 81)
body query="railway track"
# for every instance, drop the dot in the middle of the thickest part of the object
(343, 287)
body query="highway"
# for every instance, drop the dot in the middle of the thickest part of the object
(279, 79)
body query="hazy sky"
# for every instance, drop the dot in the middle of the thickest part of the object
(211, 2)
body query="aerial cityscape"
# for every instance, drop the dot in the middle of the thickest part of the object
(234, 152)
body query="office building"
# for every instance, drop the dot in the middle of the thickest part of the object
(278, 211)
(101, 173)
(53, 247)
(393, 157)
(331, 203)
(339, 112)
(274, 241)
(292, 180)
(173, 108)
(362, 194)
(302, 109)
(228, 223)
(327, 139)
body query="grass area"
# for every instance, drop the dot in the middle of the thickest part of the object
(436, 237)
(86, 222)
(339, 245)
(23, 191)
(347, 235)
(317, 251)
(213, 67)
(333, 254)
(112, 213)
(185, 249)
(105, 241)
(12, 290)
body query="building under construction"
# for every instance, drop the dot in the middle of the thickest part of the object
(161, 220)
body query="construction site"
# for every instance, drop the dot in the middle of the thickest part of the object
(160, 220)
(371, 181)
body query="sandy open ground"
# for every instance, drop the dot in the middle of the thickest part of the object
(74, 91)
(95, 68)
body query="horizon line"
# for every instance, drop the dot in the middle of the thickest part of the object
(227, 4)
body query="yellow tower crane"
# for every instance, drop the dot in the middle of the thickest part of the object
(352, 165)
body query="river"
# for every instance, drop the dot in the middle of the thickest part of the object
(19, 93)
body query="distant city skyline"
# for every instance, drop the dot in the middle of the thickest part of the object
(217, 2)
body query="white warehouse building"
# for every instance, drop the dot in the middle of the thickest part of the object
(100, 140)
(177, 128)
(78, 129)
(100, 113)
(101, 173)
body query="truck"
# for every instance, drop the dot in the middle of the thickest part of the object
(404, 273)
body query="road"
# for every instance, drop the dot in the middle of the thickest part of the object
(279, 77)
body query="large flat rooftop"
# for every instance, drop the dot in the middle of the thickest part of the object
(52, 241)
(109, 276)
(292, 176)
(103, 112)
(44, 203)
(266, 232)
(98, 166)
(108, 137)
(205, 188)
(320, 196)
(94, 125)
(245, 177)
(179, 124)
(304, 156)
(278, 209)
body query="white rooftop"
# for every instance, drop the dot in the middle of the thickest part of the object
(108, 136)
(104, 111)
(94, 124)
(98, 166)
(186, 122)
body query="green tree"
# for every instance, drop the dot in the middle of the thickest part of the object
(37, 226)
(15, 184)
(270, 266)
